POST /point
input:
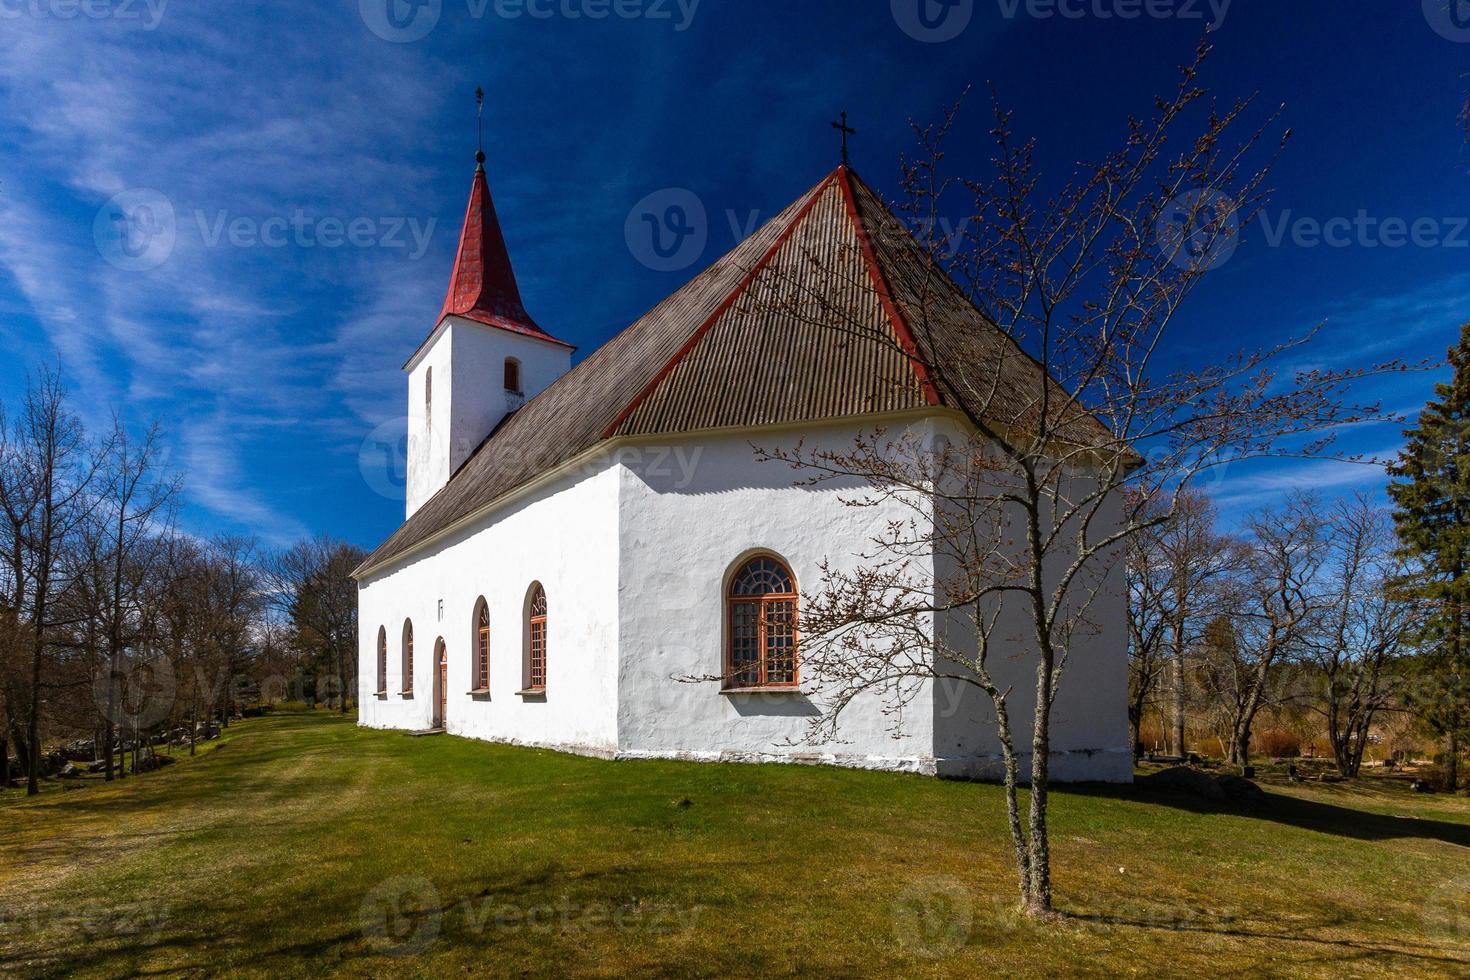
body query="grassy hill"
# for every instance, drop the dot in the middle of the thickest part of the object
(300, 845)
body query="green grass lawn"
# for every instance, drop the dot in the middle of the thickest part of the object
(301, 845)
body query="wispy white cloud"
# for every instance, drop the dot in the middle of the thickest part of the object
(1265, 483)
(223, 342)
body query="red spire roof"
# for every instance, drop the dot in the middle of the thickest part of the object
(482, 286)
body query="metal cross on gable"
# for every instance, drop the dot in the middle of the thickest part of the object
(480, 125)
(846, 131)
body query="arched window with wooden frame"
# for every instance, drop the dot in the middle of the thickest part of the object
(481, 646)
(382, 688)
(763, 645)
(512, 375)
(535, 674)
(407, 656)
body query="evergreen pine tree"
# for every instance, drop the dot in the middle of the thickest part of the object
(1431, 494)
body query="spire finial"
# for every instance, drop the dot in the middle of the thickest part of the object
(846, 131)
(480, 125)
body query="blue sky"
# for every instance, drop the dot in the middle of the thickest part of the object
(306, 167)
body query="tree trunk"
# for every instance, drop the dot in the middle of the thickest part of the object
(342, 675)
(108, 737)
(1013, 806)
(22, 748)
(33, 723)
(1342, 751)
(1452, 760)
(1179, 698)
(4, 763)
(1240, 735)
(1039, 901)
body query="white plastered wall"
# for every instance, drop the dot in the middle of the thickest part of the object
(690, 511)
(635, 549)
(563, 535)
(468, 363)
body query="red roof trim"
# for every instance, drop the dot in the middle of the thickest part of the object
(723, 308)
(901, 329)
(490, 320)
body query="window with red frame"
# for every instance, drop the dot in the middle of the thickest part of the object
(482, 648)
(762, 604)
(382, 660)
(536, 655)
(408, 657)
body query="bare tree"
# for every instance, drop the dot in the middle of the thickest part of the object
(134, 510)
(1177, 570)
(1198, 561)
(311, 584)
(235, 591)
(1148, 627)
(46, 493)
(1365, 628)
(1277, 605)
(1017, 515)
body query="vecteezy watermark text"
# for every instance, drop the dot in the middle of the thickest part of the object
(404, 21)
(301, 231)
(403, 916)
(147, 13)
(1201, 229)
(1364, 230)
(1214, 10)
(670, 229)
(137, 229)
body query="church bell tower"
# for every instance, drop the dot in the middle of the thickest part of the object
(484, 359)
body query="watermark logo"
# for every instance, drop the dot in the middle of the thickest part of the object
(401, 916)
(137, 692)
(667, 230)
(400, 21)
(1449, 18)
(933, 21)
(136, 229)
(382, 459)
(934, 916)
(1199, 229)
(1449, 906)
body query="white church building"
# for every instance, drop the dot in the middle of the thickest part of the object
(584, 543)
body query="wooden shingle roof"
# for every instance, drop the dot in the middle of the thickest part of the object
(829, 310)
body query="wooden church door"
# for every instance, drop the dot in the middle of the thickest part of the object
(441, 696)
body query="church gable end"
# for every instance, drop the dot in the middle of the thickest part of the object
(830, 310)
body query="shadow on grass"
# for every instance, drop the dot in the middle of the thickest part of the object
(1229, 928)
(1325, 818)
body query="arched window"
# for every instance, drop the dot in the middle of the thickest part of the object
(382, 660)
(513, 375)
(536, 640)
(762, 617)
(482, 645)
(407, 656)
(428, 396)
